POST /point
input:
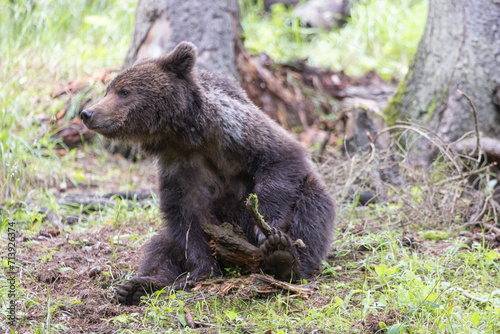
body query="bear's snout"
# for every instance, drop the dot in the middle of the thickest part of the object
(86, 115)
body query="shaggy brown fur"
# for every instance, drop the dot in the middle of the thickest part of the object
(213, 148)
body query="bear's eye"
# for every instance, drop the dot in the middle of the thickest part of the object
(123, 93)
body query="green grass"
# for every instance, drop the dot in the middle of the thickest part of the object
(423, 290)
(380, 35)
(45, 43)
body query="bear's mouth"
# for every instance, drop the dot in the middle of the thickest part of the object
(101, 128)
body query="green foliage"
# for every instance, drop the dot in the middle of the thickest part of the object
(49, 42)
(72, 35)
(381, 35)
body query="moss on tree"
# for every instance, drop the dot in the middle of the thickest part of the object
(431, 109)
(391, 111)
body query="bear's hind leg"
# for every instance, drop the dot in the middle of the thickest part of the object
(313, 223)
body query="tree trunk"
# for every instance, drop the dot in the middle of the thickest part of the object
(211, 25)
(460, 49)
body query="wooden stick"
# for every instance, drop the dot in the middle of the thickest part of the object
(303, 291)
(477, 299)
(462, 176)
(491, 227)
(477, 150)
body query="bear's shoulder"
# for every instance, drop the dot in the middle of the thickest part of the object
(212, 83)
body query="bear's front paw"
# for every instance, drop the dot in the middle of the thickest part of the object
(131, 291)
(280, 256)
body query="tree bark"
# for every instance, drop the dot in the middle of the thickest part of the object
(460, 49)
(210, 25)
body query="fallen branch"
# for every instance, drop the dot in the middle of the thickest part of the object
(462, 176)
(477, 299)
(97, 202)
(229, 244)
(491, 227)
(301, 290)
(490, 146)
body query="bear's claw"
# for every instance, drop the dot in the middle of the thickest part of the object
(131, 291)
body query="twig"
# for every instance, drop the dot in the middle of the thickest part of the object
(187, 239)
(331, 129)
(491, 227)
(479, 215)
(303, 291)
(477, 299)
(465, 175)
(494, 206)
(465, 135)
(252, 205)
(205, 324)
(322, 148)
(372, 147)
(478, 143)
(426, 135)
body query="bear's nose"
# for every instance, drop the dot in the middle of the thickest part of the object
(85, 115)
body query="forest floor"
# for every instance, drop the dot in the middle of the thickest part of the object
(403, 265)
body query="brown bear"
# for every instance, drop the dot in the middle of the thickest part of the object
(213, 148)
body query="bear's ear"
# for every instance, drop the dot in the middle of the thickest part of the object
(181, 61)
(142, 60)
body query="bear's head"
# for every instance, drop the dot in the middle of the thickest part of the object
(154, 98)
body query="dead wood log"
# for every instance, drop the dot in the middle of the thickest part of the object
(490, 146)
(230, 245)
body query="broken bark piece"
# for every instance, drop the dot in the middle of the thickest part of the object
(229, 244)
